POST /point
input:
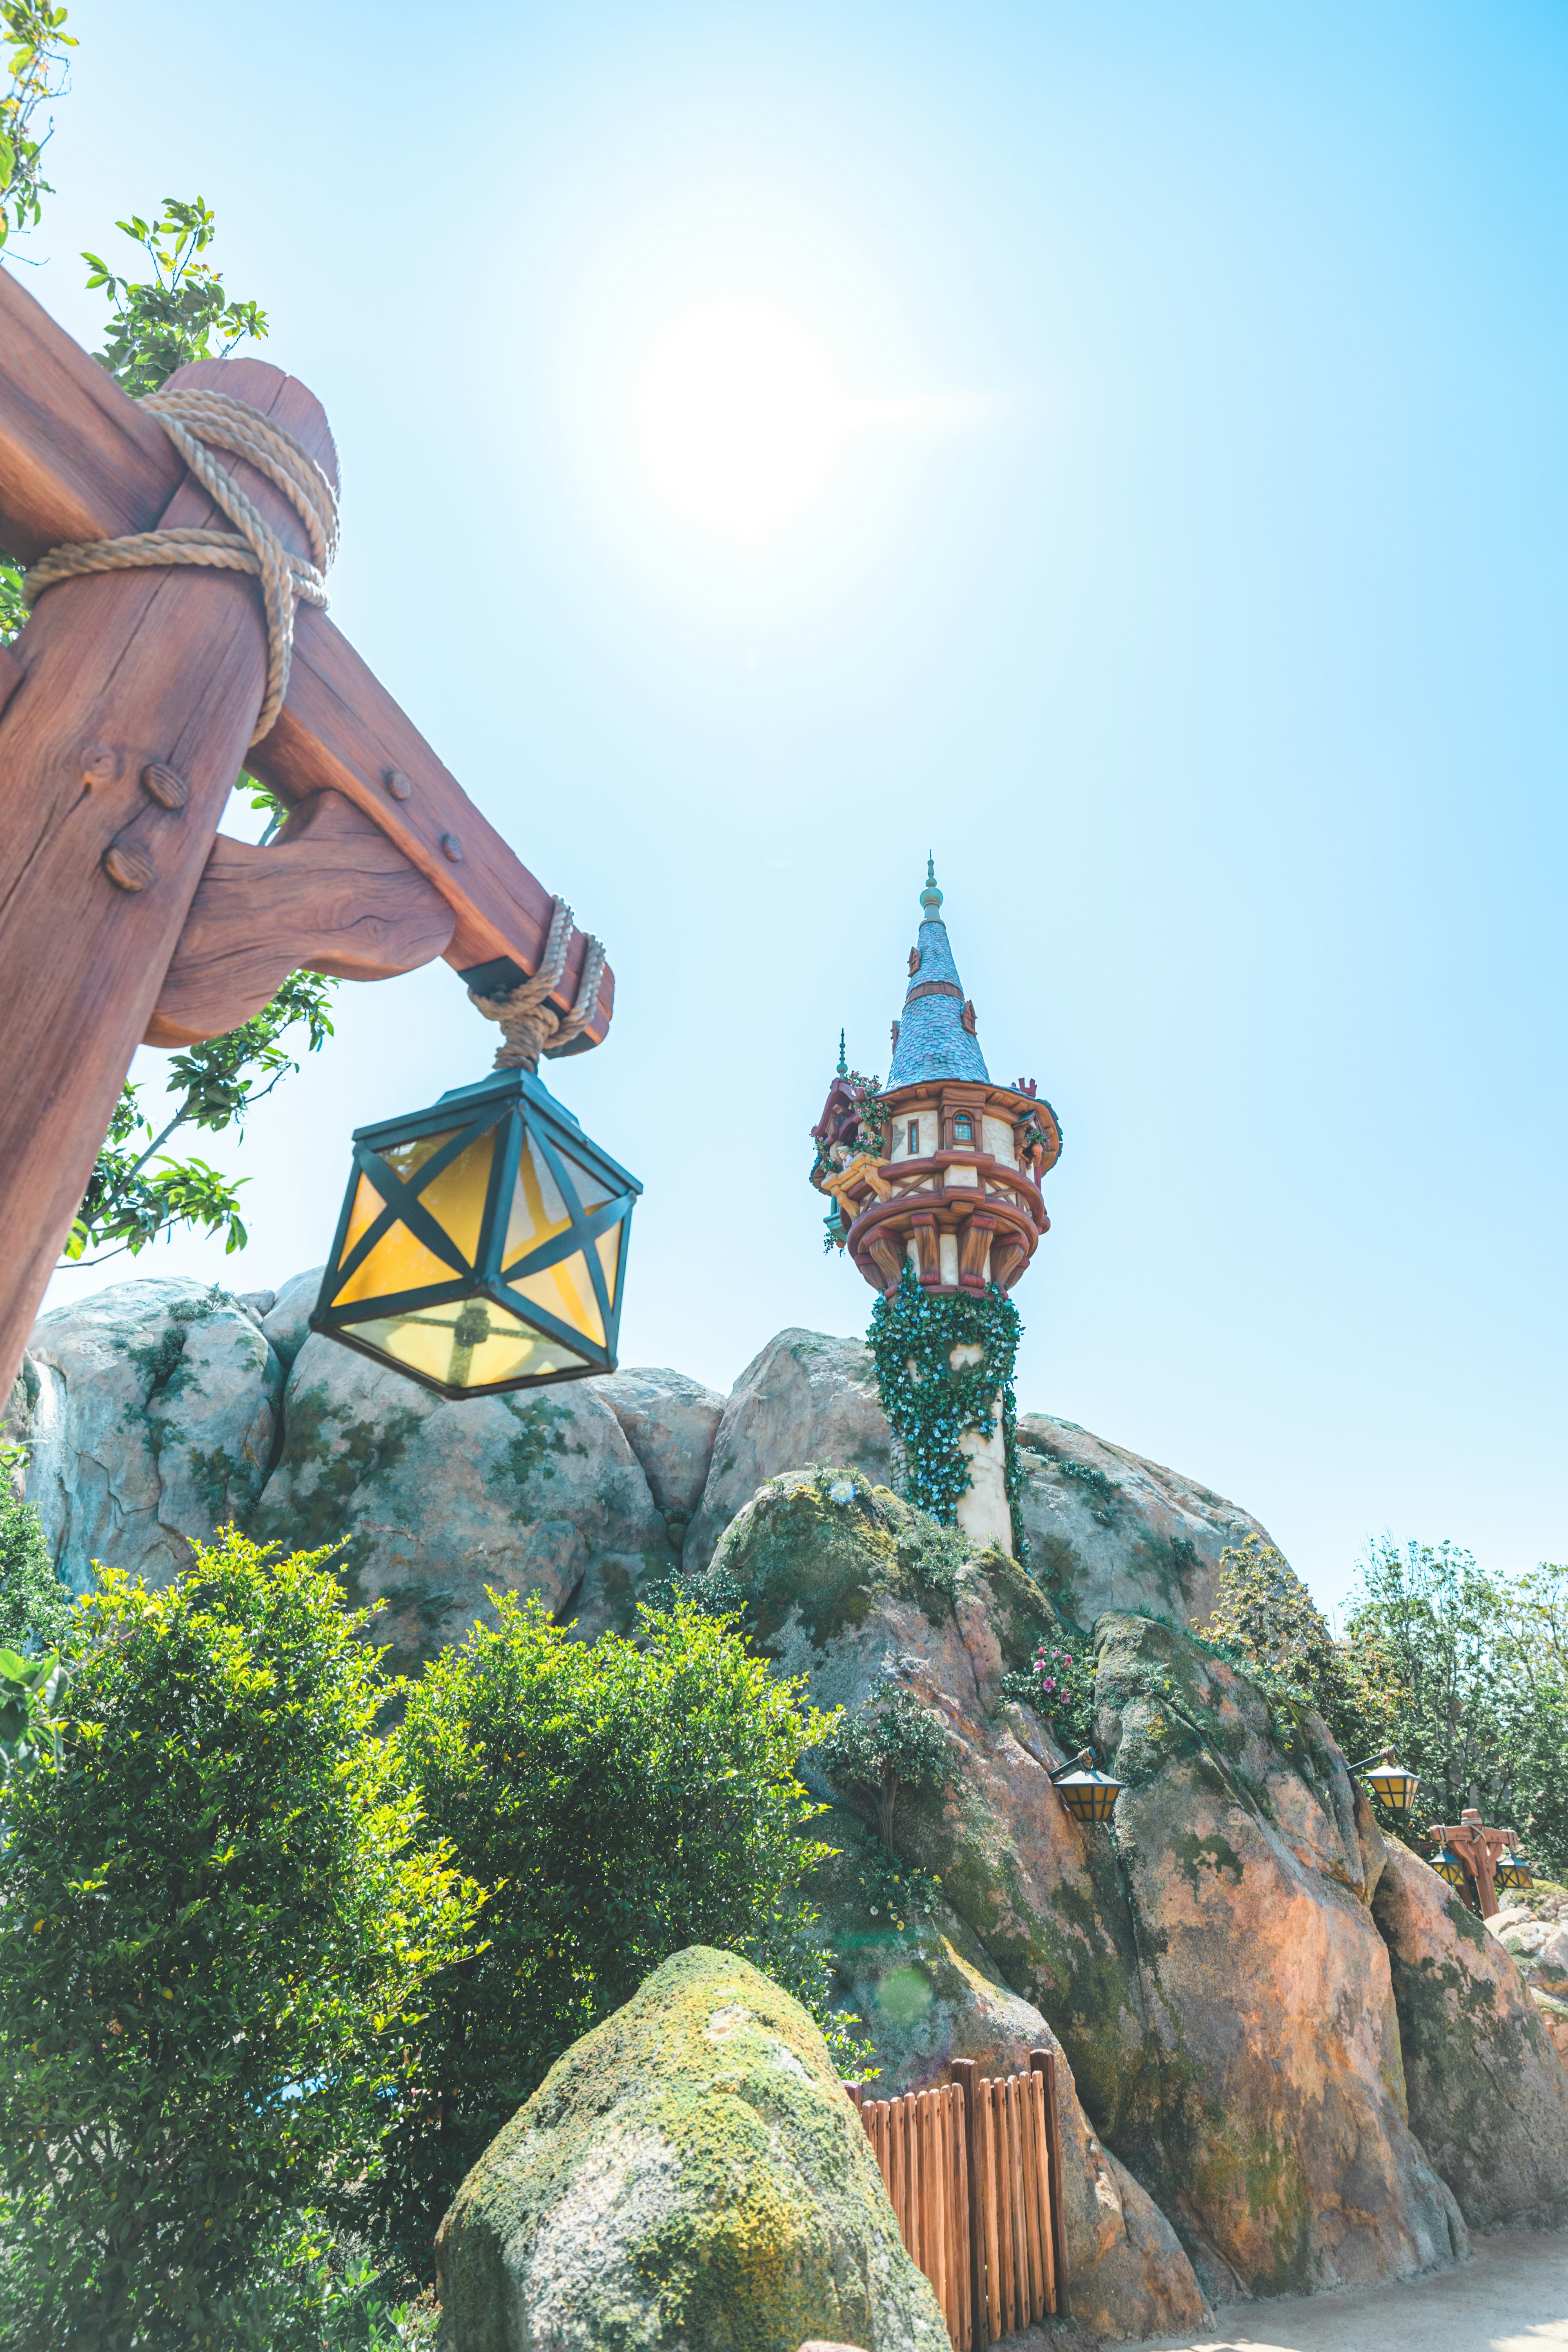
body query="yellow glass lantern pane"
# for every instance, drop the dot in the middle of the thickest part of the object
(609, 1248)
(470, 1343)
(368, 1205)
(456, 1198)
(566, 1291)
(399, 1260)
(538, 1211)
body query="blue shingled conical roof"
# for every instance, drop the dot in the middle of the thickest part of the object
(932, 1040)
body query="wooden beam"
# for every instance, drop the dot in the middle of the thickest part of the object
(331, 894)
(127, 676)
(79, 460)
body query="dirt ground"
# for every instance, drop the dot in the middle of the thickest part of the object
(1513, 2297)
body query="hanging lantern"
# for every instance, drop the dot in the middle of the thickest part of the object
(1514, 1870)
(1390, 1782)
(1087, 1793)
(482, 1245)
(1446, 1864)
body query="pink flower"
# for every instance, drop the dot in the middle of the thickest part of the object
(1048, 1684)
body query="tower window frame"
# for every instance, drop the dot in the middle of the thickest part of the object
(914, 1139)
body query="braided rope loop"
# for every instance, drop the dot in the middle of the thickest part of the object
(196, 421)
(530, 1024)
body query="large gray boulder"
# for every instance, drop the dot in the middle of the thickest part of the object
(531, 1493)
(806, 1398)
(287, 1321)
(150, 1412)
(1106, 1529)
(690, 2174)
(1489, 2093)
(1103, 1528)
(670, 1423)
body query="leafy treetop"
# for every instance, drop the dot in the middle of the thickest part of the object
(217, 1924)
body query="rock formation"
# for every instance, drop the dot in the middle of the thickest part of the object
(690, 2172)
(150, 1411)
(1288, 2056)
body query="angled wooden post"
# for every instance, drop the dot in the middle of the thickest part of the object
(121, 674)
(126, 709)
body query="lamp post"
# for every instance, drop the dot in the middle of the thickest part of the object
(481, 1244)
(1477, 1850)
(1087, 1793)
(1388, 1779)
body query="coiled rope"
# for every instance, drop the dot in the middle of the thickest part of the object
(530, 1024)
(194, 420)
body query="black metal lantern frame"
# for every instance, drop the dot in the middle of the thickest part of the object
(1087, 1793)
(527, 1129)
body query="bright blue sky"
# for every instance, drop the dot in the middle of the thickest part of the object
(1171, 400)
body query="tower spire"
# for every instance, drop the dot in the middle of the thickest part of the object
(843, 1069)
(935, 1036)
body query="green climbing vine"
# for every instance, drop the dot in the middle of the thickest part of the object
(931, 1402)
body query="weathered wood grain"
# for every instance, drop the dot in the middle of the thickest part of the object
(79, 460)
(121, 671)
(331, 894)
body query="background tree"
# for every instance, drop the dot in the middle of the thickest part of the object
(623, 1800)
(182, 313)
(217, 1923)
(35, 1606)
(1479, 1689)
(133, 1195)
(890, 1743)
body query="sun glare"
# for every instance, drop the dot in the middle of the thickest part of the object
(739, 417)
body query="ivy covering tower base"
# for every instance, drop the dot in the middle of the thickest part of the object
(931, 1402)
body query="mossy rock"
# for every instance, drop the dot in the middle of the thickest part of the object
(817, 1552)
(691, 2177)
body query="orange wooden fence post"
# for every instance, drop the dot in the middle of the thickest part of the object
(979, 2337)
(1044, 2061)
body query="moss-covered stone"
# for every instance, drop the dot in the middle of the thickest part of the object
(689, 2178)
(1489, 2093)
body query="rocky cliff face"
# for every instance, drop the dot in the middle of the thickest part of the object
(1288, 2058)
(157, 1410)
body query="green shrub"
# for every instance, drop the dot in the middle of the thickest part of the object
(35, 1606)
(216, 1922)
(890, 1743)
(623, 1800)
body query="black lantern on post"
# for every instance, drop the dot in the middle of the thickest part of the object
(482, 1244)
(1087, 1793)
(1388, 1779)
(1446, 1864)
(1514, 1868)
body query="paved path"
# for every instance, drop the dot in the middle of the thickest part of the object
(1512, 2298)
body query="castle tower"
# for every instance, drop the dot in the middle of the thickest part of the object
(935, 1185)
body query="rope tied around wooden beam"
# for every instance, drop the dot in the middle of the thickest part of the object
(529, 1024)
(192, 419)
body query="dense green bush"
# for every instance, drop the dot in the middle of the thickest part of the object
(35, 1606)
(216, 1920)
(623, 1800)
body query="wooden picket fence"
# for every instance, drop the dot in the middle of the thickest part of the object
(973, 2173)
